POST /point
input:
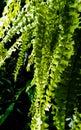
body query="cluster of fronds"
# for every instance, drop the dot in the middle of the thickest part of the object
(48, 28)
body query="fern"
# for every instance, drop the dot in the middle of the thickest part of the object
(48, 28)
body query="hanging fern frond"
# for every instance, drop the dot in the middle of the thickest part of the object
(48, 29)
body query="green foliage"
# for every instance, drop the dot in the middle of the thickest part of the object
(77, 121)
(5, 115)
(48, 30)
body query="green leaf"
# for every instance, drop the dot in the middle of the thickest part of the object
(6, 114)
